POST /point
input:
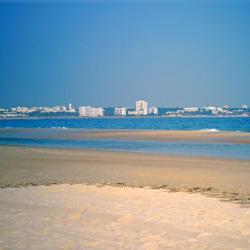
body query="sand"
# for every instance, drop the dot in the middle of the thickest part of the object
(93, 199)
(155, 135)
(160, 135)
(225, 178)
(91, 217)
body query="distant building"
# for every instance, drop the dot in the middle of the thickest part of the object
(120, 111)
(99, 112)
(210, 109)
(132, 112)
(153, 111)
(141, 107)
(58, 108)
(87, 111)
(244, 106)
(191, 109)
(71, 109)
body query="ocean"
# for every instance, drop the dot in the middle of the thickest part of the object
(25, 132)
(240, 124)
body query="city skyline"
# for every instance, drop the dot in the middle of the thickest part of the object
(109, 54)
(141, 108)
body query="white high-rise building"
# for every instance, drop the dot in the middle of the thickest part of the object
(141, 107)
(99, 112)
(120, 111)
(87, 111)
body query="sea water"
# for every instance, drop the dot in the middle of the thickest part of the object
(228, 150)
(41, 138)
(241, 124)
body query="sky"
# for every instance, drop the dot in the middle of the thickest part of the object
(112, 53)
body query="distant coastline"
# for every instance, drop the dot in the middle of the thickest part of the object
(120, 117)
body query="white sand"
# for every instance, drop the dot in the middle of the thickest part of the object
(91, 217)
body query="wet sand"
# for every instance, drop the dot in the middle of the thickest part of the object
(153, 135)
(90, 199)
(91, 217)
(159, 135)
(224, 178)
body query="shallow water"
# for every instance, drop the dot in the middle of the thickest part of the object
(45, 137)
(229, 150)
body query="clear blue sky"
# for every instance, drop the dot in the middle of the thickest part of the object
(111, 54)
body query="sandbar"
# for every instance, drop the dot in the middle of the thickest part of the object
(152, 135)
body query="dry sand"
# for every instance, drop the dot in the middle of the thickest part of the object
(91, 217)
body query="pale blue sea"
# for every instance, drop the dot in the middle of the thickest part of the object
(200, 123)
(40, 138)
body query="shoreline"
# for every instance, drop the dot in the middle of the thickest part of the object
(126, 134)
(122, 117)
(152, 153)
(241, 199)
(225, 179)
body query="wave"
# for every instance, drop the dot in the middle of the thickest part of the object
(59, 127)
(210, 130)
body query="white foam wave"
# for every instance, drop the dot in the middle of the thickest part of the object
(59, 127)
(210, 130)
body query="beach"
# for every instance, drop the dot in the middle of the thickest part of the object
(62, 198)
(24, 166)
(124, 125)
(93, 217)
